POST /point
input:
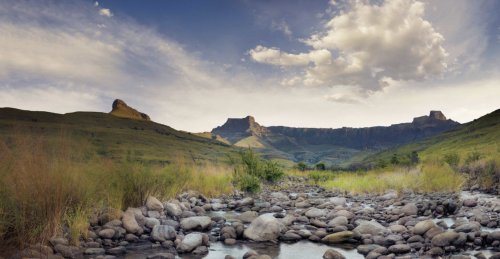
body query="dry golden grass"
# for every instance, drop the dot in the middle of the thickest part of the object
(46, 184)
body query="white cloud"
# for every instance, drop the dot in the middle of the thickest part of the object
(35, 51)
(343, 98)
(281, 26)
(105, 12)
(242, 60)
(291, 82)
(96, 3)
(372, 43)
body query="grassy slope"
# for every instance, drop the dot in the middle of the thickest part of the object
(482, 135)
(117, 137)
(124, 114)
(210, 135)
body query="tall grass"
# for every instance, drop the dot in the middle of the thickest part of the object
(47, 183)
(428, 178)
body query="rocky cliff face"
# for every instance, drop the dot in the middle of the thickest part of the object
(237, 129)
(372, 138)
(121, 109)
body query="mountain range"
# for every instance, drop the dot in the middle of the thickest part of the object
(333, 146)
(126, 133)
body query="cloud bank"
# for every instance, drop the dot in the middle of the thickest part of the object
(365, 46)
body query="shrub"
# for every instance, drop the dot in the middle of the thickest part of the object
(273, 172)
(394, 160)
(452, 159)
(382, 163)
(301, 166)
(320, 166)
(472, 157)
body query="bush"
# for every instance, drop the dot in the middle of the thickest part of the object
(301, 166)
(320, 166)
(472, 157)
(382, 163)
(452, 159)
(394, 160)
(273, 172)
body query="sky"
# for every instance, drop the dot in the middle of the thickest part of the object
(193, 64)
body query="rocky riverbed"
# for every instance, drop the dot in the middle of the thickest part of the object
(299, 222)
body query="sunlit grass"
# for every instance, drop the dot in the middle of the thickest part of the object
(46, 184)
(427, 178)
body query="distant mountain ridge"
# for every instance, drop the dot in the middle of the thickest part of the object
(334, 146)
(372, 138)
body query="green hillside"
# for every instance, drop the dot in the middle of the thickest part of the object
(117, 137)
(482, 135)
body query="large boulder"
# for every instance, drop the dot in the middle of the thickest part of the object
(129, 222)
(421, 227)
(191, 223)
(371, 227)
(173, 209)
(339, 237)
(154, 204)
(190, 242)
(162, 233)
(264, 228)
(248, 216)
(151, 222)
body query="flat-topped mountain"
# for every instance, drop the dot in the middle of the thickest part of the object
(334, 146)
(372, 138)
(236, 129)
(121, 109)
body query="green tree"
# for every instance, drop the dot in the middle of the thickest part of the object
(320, 166)
(382, 163)
(301, 166)
(414, 157)
(394, 159)
(273, 171)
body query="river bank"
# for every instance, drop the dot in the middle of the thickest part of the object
(299, 221)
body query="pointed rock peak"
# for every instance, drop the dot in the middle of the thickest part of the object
(121, 109)
(437, 115)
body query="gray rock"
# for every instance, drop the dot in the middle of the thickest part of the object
(339, 237)
(161, 256)
(338, 221)
(422, 227)
(94, 251)
(332, 254)
(371, 227)
(173, 209)
(129, 222)
(410, 209)
(190, 242)
(468, 227)
(107, 233)
(315, 213)
(117, 250)
(245, 202)
(154, 204)
(399, 249)
(202, 222)
(248, 217)
(263, 228)
(152, 222)
(445, 239)
(59, 241)
(162, 233)
(337, 201)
